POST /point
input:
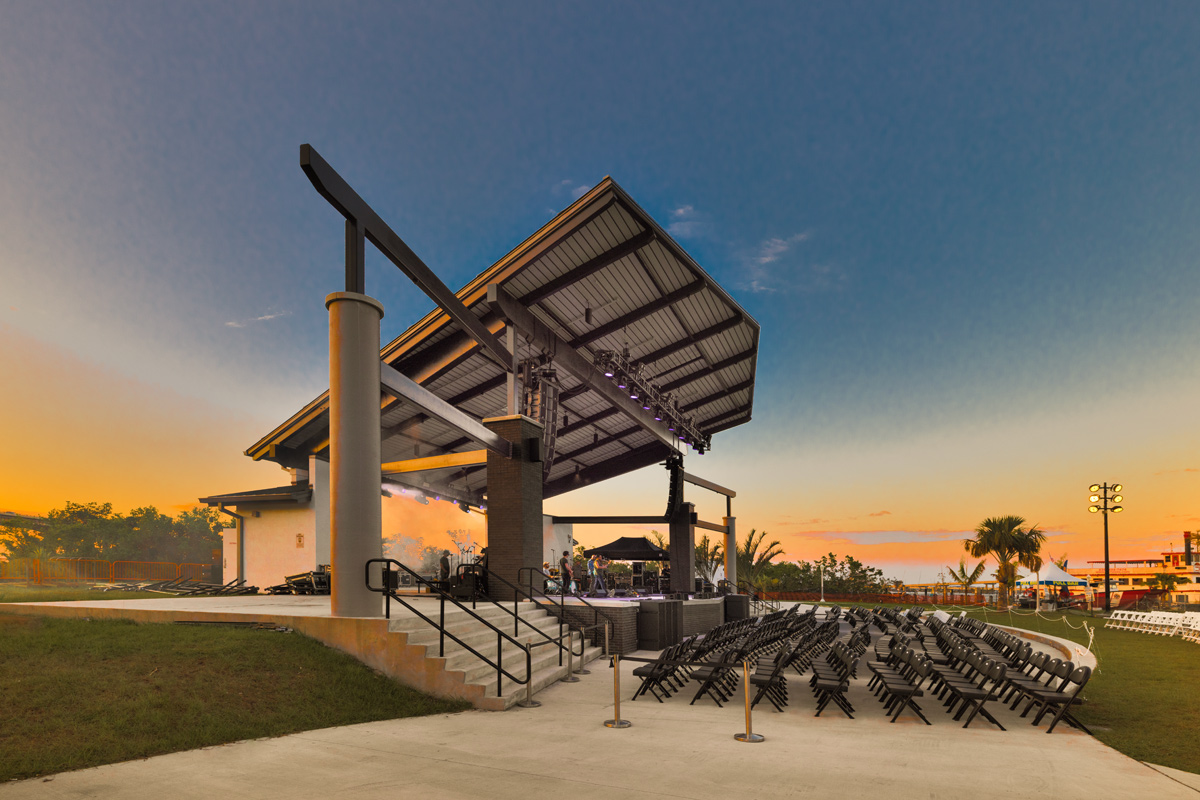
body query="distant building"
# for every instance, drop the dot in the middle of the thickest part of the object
(1132, 574)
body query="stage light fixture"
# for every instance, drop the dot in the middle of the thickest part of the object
(1095, 487)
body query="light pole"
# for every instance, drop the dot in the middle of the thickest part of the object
(822, 582)
(1103, 494)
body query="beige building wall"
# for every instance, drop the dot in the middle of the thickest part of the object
(229, 554)
(279, 542)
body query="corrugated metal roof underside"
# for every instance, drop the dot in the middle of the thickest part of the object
(604, 254)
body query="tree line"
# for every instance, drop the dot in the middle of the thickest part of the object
(95, 530)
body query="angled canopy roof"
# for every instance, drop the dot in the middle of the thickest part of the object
(630, 548)
(601, 275)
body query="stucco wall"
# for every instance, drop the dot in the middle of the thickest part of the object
(271, 543)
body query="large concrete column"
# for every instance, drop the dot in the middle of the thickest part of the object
(514, 499)
(731, 550)
(682, 547)
(355, 513)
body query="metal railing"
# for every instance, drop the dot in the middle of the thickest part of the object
(435, 587)
(597, 613)
(758, 597)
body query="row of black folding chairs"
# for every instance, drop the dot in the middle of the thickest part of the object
(833, 673)
(798, 653)
(1049, 684)
(897, 680)
(712, 658)
(718, 679)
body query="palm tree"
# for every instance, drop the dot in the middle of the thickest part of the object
(1007, 540)
(710, 554)
(964, 578)
(750, 562)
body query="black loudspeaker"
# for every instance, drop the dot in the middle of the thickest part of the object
(637, 568)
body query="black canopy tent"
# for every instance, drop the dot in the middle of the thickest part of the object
(630, 548)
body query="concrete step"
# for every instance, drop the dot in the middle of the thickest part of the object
(542, 677)
(476, 670)
(409, 622)
(485, 642)
(474, 633)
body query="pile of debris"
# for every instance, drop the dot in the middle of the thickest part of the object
(182, 587)
(315, 582)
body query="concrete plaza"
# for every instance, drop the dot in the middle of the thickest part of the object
(673, 750)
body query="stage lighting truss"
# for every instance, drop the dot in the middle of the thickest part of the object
(630, 375)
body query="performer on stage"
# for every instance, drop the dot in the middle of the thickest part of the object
(564, 571)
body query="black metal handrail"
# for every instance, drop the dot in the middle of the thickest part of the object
(756, 595)
(389, 595)
(596, 612)
(477, 570)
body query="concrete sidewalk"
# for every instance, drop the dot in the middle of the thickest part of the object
(673, 750)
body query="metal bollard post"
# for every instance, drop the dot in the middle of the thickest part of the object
(528, 702)
(606, 650)
(582, 650)
(570, 658)
(617, 722)
(749, 735)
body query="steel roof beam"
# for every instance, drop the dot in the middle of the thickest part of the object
(693, 339)
(583, 423)
(570, 360)
(639, 313)
(712, 398)
(634, 459)
(713, 425)
(403, 387)
(587, 448)
(704, 373)
(628, 247)
(358, 214)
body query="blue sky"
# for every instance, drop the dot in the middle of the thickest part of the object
(969, 231)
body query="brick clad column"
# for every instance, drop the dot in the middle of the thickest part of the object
(514, 499)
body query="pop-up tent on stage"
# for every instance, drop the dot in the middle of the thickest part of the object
(630, 548)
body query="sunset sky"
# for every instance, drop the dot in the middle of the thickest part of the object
(971, 236)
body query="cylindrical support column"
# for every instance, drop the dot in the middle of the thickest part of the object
(355, 513)
(731, 551)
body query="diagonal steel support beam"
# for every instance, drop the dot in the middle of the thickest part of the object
(403, 387)
(362, 221)
(569, 359)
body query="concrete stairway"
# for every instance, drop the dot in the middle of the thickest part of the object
(461, 667)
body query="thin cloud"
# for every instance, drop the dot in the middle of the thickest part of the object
(1178, 471)
(685, 223)
(263, 318)
(774, 265)
(880, 514)
(571, 189)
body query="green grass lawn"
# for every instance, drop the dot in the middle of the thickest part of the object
(82, 693)
(54, 594)
(1145, 698)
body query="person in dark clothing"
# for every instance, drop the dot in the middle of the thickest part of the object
(483, 571)
(444, 569)
(564, 571)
